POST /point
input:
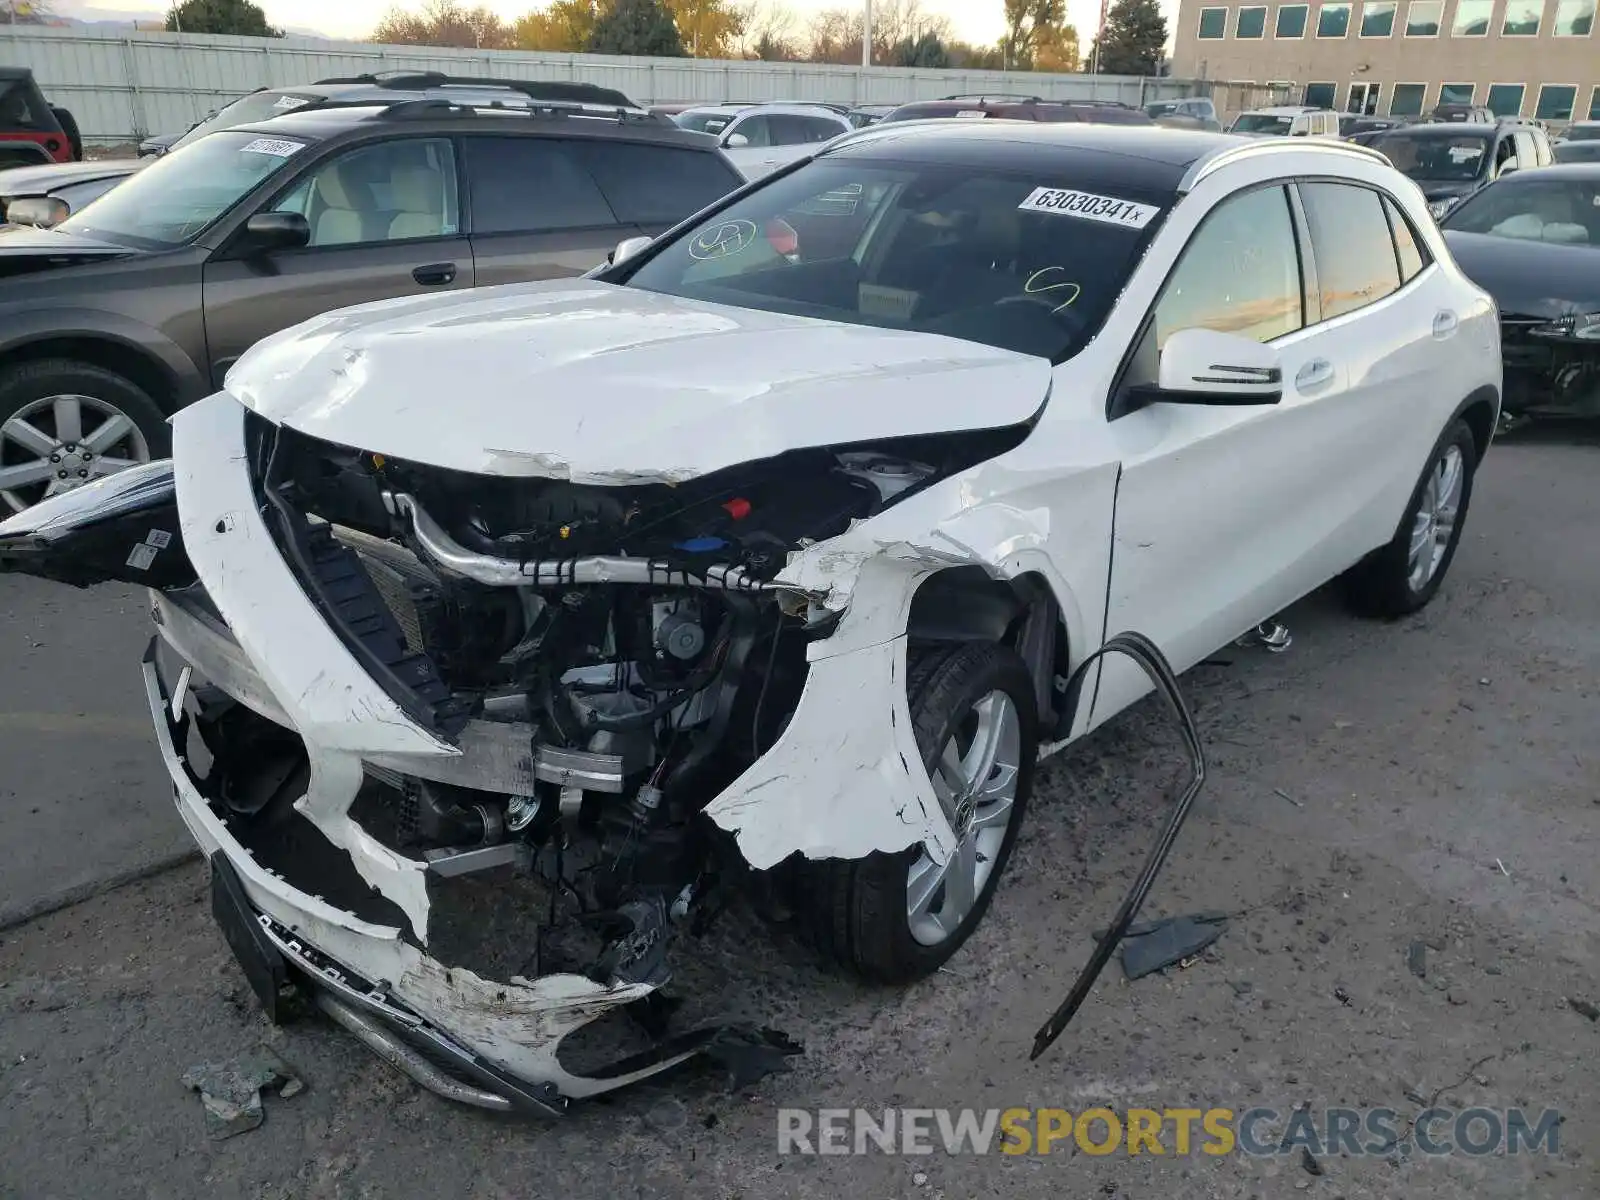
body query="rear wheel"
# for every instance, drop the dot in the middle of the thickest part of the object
(1406, 574)
(897, 917)
(64, 423)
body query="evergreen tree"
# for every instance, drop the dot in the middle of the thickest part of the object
(1135, 38)
(637, 27)
(238, 17)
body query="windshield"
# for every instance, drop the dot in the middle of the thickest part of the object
(1433, 157)
(1261, 123)
(180, 194)
(1022, 262)
(1583, 133)
(258, 106)
(704, 122)
(1537, 210)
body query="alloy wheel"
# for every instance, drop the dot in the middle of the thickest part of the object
(58, 443)
(976, 783)
(1435, 523)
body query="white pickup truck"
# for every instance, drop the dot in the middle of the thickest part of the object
(760, 138)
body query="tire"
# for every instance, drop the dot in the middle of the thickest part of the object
(1388, 583)
(32, 456)
(69, 126)
(857, 910)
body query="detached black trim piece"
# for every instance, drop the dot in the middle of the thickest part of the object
(1148, 658)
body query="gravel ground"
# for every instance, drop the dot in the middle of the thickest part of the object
(1374, 787)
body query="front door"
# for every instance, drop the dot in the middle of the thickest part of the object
(385, 222)
(1363, 99)
(1207, 523)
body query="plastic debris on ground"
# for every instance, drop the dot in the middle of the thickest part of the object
(230, 1092)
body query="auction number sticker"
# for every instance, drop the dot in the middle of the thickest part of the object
(1106, 209)
(277, 147)
(291, 102)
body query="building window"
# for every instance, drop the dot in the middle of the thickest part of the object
(1292, 21)
(1423, 17)
(1407, 99)
(1574, 18)
(1472, 18)
(1522, 18)
(1556, 101)
(1213, 24)
(1594, 105)
(1250, 24)
(1333, 21)
(1505, 99)
(1456, 93)
(1320, 95)
(1377, 18)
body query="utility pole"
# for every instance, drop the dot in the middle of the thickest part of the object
(866, 36)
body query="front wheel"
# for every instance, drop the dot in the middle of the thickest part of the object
(894, 918)
(1404, 575)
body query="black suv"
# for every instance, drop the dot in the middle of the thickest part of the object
(1451, 161)
(142, 301)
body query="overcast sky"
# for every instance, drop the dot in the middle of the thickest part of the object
(973, 20)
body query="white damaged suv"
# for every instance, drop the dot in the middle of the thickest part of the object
(770, 557)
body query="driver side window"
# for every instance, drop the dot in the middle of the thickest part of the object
(1239, 274)
(394, 191)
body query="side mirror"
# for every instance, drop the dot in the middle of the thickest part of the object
(1300, 133)
(41, 212)
(1506, 168)
(735, 140)
(1202, 366)
(627, 248)
(269, 231)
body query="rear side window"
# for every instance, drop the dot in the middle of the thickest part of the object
(795, 130)
(531, 185)
(1355, 253)
(656, 185)
(1408, 248)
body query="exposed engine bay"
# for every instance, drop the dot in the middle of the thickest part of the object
(594, 664)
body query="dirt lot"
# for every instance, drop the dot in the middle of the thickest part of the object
(1375, 786)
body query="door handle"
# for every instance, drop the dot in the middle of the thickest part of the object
(1445, 323)
(435, 274)
(1315, 374)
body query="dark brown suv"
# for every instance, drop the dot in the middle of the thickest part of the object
(141, 301)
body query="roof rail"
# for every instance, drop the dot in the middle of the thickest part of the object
(1205, 166)
(981, 96)
(572, 93)
(423, 107)
(1079, 102)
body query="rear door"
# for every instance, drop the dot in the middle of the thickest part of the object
(536, 210)
(385, 221)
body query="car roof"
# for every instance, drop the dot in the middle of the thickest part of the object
(1568, 170)
(720, 110)
(442, 116)
(1283, 110)
(1150, 157)
(1445, 129)
(34, 180)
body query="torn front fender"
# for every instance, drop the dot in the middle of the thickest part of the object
(846, 777)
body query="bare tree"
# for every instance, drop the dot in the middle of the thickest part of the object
(767, 30)
(835, 34)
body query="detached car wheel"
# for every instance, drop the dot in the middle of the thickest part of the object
(1405, 574)
(897, 917)
(64, 423)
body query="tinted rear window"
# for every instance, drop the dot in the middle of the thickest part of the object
(529, 185)
(657, 185)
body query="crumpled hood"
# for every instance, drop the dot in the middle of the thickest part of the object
(598, 383)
